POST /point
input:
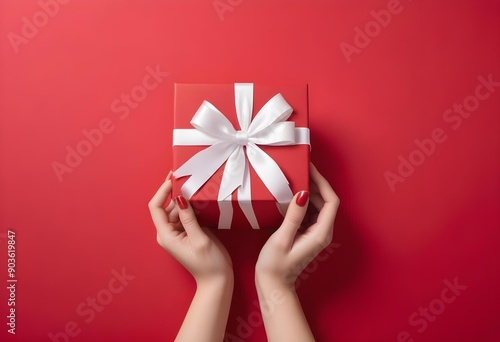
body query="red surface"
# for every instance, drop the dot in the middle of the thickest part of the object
(293, 160)
(393, 251)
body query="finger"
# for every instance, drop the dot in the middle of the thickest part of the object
(172, 212)
(170, 206)
(188, 220)
(326, 217)
(323, 186)
(293, 218)
(156, 204)
(310, 217)
(173, 215)
(317, 201)
(315, 196)
(313, 188)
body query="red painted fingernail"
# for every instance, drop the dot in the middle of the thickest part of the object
(169, 176)
(302, 198)
(181, 202)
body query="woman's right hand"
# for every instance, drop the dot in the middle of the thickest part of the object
(290, 249)
(286, 253)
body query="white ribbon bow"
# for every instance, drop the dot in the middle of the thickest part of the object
(269, 127)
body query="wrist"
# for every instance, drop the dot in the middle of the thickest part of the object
(218, 282)
(274, 296)
(270, 284)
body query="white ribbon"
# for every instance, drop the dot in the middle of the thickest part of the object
(213, 129)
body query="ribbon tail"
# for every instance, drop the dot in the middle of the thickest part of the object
(234, 171)
(236, 175)
(232, 178)
(282, 207)
(270, 173)
(245, 198)
(225, 213)
(202, 166)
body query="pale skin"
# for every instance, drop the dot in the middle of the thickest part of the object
(282, 258)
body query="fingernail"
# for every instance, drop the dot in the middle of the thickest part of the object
(302, 198)
(169, 176)
(181, 202)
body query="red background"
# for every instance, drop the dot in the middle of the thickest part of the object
(393, 249)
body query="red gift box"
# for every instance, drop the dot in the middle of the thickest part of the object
(293, 160)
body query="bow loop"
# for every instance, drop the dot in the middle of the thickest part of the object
(280, 133)
(275, 110)
(209, 120)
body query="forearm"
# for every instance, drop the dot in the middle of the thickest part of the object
(282, 313)
(207, 316)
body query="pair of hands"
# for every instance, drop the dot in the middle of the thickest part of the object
(283, 257)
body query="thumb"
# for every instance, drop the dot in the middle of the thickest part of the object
(294, 216)
(188, 218)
